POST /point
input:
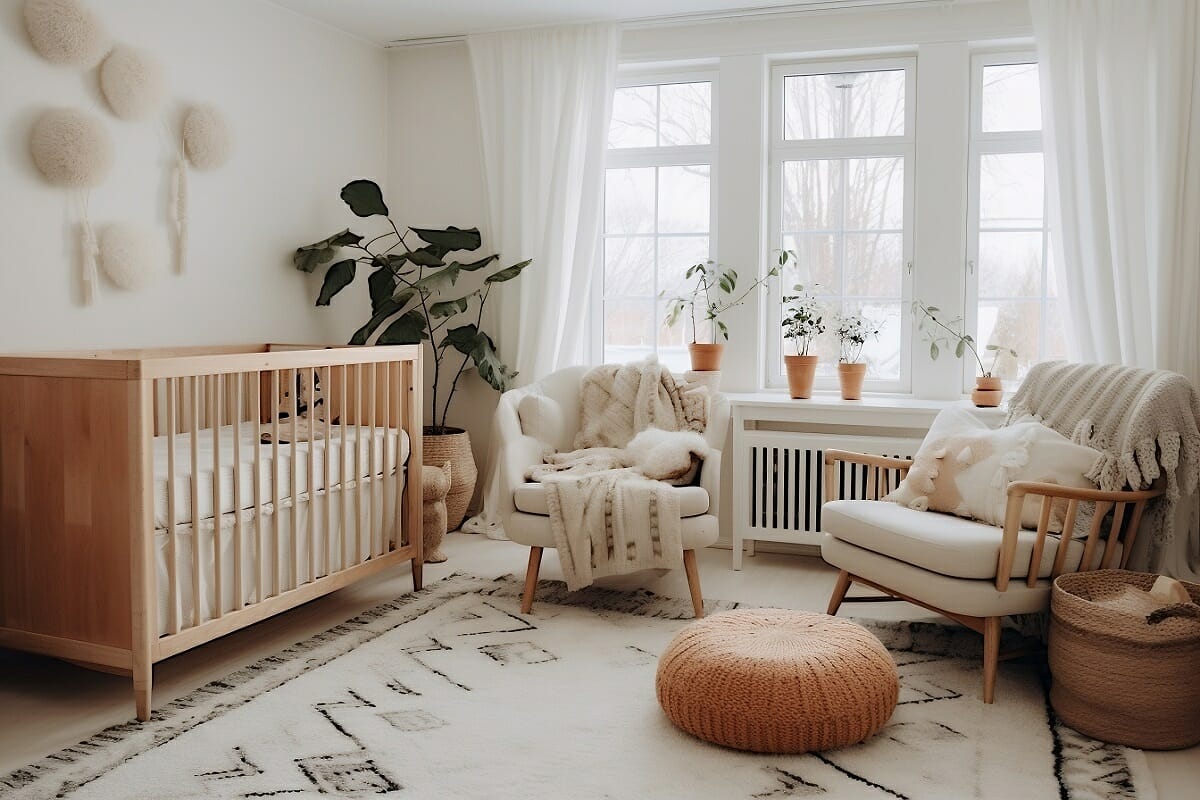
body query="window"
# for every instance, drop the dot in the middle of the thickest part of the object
(658, 212)
(1012, 295)
(841, 199)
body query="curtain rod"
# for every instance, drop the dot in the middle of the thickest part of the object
(638, 23)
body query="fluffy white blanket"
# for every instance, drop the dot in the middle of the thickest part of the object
(612, 510)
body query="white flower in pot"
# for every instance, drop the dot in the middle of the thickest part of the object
(852, 332)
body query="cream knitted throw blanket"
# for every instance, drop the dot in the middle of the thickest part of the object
(1145, 422)
(618, 401)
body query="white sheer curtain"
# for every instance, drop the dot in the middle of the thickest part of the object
(544, 97)
(1121, 117)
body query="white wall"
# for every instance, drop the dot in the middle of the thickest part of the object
(307, 107)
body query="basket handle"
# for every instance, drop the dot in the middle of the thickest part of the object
(1178, 610)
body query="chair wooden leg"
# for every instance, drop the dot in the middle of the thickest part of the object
(991, 656)
(693, 578)
(839, 592)
(531, 576)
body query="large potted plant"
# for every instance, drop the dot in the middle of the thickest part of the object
(714, 291)
(803, 322)
(411, 275)
(989, 391)
(852, 332)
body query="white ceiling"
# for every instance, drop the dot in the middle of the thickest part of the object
(386, 21)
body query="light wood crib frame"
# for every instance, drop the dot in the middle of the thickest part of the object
(79, 559)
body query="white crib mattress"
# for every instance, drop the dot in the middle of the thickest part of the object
(370, 446)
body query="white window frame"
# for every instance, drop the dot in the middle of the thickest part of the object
(672, 156)
(782, 150)
(983, 143)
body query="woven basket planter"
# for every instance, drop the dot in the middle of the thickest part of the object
(437, 449)
(1116, 677)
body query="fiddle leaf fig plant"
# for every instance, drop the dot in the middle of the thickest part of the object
(412, 274)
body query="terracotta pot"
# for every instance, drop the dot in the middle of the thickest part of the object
(455, 447)
(800, 373)
(988, 392)
(851, 377)
(706, 357)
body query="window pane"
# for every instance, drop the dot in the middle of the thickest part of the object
(816, 262)
(628, 329)
(1011, 98)
(1010, 264)
(1010, 190)
(683, 199)
(629, 200)
(629, 265)
(675, 255)
(1014, 324)
(634, 117)
(812, 195)
(685, 114)
(883, 354)
(874, 193)
(874, 264)
(844, 105)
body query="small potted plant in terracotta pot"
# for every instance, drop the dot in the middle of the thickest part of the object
(989, 391)
(852, 331)
(803, 322)
(714, 291)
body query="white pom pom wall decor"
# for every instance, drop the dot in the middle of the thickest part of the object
(66, 32)
(207, 141)
(71, 148)
(132, 83)
(131, 256)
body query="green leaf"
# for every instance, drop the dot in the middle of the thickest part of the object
(407, 329)
(960, 348)
(387, 308)
(472, 342)
(449, 308)
(474, 266)
(382, 283)
(451, 238)
(338, 277)
(992, 347)
(364, 198)
(311, 256)
(426, 257)
(508, 273)
(933, 350)
(724, 329)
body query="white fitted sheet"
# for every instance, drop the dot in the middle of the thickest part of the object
(370, 461)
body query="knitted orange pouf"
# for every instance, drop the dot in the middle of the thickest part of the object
(776, 681)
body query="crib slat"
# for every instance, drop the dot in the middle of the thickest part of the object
(293, 392)
(370, 481)
(312, 471)
(343, 455)
(384, 472)
(260, 565)
(172, 565)
(275, 550)
(236, 411)
(358, 472)
(327, 412)
(398, 484)
(1064, 542)
(214, 416)
(195, 486)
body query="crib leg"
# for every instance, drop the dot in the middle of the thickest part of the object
(418, 574)
(142, 682)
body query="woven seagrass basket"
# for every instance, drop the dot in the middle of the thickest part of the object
(456, 448)
(1117, 677)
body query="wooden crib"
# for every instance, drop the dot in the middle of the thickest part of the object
(143, 511)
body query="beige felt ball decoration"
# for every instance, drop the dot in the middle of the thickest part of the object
(131, 256)
(71, 148)
(207, 140)
(132, 82)
(66, 32)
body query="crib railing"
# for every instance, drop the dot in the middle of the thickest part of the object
(304, 483)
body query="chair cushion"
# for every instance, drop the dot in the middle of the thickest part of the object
(531, 498)
(942, 543)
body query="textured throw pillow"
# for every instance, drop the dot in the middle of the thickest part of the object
(964, 467)
(542, 418)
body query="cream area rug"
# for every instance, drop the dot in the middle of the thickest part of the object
(452, 693)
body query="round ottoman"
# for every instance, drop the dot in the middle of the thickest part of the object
(777, 681)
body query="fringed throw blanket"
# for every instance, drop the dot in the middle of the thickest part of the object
(612, 522)
(618, 401)
(1145, 422)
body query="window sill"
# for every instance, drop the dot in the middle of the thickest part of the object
(877, 404)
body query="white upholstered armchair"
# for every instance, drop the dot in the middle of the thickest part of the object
(544, 416)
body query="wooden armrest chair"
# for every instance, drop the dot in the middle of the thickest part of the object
(971, 572)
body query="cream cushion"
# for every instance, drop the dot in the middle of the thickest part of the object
(533, 530)
(531, 498)
(964, 467)
(941, 543)
(543, 418)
